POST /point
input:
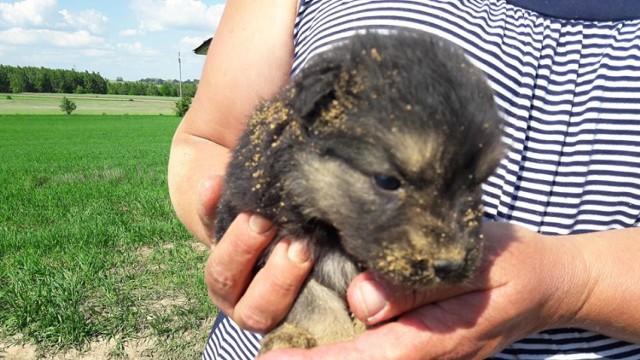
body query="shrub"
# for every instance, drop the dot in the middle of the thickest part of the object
(9, 97)
(67, 105)
(182, 106)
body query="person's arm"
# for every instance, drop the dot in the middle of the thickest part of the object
(611, 305)
(249, 60)
(532, 283)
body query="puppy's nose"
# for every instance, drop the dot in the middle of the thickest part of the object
(447, 268)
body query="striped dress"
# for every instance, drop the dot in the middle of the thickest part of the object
(568, 86)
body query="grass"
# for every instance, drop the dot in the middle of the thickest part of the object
(89, 246)
(88, 104)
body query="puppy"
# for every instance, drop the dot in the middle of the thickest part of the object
(374, 155)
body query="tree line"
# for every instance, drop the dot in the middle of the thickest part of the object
(18, 79)
(152, 87)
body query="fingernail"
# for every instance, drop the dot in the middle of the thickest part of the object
(372, 299)
(259, 225)
(298, 252)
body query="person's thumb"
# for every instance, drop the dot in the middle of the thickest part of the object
(373, 300)
(209, 192)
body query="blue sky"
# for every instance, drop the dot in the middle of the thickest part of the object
(133, 39)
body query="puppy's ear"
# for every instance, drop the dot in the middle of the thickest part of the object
(315, 88)
(493, 154)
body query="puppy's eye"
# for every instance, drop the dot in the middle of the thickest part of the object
(386, 182)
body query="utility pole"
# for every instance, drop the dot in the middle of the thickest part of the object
(180, 70)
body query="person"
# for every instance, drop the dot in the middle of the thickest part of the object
(563, 207)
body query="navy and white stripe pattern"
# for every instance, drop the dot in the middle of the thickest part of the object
(228, 341)
(570, 93)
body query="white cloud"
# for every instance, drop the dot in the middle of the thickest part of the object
(97, 53)
(130, 32)
(77, 39)
(3, 49)
(158, 15)
(136, 49)
(92, 20)
(27, 12)
(189, 42)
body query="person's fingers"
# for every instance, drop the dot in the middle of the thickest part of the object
(260, 303)
(275, 287)
(209, 192)
(232, 260)
(373, 300)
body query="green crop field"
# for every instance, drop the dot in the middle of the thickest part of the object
(90, 250)
(88, 104)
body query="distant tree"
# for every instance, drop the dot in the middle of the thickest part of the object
(141, 88)
(101, 85)
(57, 81)
(114, 88)
(123, 88)
(4, 79)
(175, 90)
(152, 90)
(18, 81)
(165, 90)
(67, 105)
(182, 106)
(62, 81)
(189, 89)
(42, 81)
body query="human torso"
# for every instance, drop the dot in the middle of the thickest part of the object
(570, 95)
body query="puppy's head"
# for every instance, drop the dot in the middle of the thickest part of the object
(398, 133)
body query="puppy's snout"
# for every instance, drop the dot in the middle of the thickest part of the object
(419, 268)
(447, 268)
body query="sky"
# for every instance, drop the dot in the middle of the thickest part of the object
(132, 39)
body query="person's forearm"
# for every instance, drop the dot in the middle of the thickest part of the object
(191, 160)
(611, 305)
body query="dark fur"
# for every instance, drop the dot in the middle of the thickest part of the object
(320, 161)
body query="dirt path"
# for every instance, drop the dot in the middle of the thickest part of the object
(133, 350)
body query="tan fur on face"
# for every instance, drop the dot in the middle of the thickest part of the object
(320, 177)
(416, 154)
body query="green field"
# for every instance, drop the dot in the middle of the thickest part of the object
(90, 250)
(88, 104)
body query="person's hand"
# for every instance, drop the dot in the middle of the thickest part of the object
(254, 303)
(529, 283)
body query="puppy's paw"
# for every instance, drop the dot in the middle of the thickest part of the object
(287, 336)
